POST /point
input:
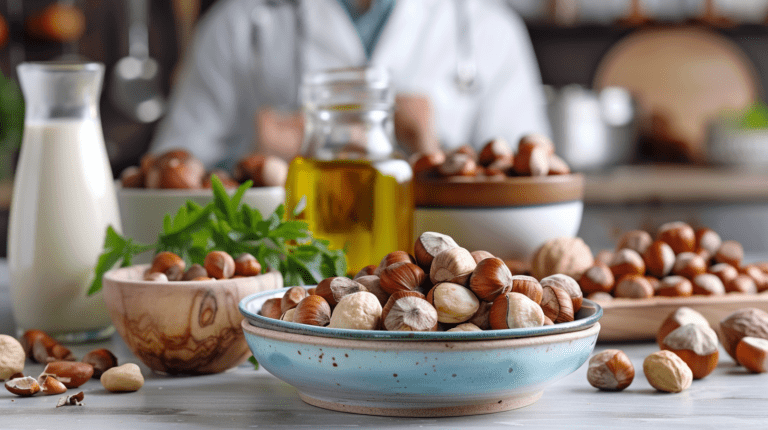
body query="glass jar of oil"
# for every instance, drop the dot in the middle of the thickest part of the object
(353, 185)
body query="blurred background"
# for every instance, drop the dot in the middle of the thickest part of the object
(659, 102)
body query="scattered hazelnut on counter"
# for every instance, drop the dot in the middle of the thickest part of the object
(454, 303)
(422, 163)
(12, 357)
(659, 259)
(626, 262)
(597, 278)
(527, 286)
(680, 317)
(730, 252)
(696, 344)
(263, 170)
(610, 370)
(73, 400)
(428, 245)
(247, 265)
(49, 385)
(335, 288)
(42, 348)
(71, 373)
(490, 277)
(480, 255)
(633, 287)
(219, 265)
(169, 264)
(689, 265)
(271, 308)
(24, 386)
(742, 284)
(357, 311)
(707, 240)
(724, 271)
(101, 359)
(752, 353)
(707, 284)
(123, 378)
(674, 286)
(636, 240)
(452, 265)
(458, 164)
(402, 276)
(667, 372)
(408, 311)
(291, 298)
(514, 310)
(569, 285)
(195, 271)
(678, 235)
(372, 283)
(465, 327)
(566, 255)
(742, 323)
(311, 310)
(557, 304)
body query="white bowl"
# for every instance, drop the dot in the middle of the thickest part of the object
(509, 218)
(142, 210)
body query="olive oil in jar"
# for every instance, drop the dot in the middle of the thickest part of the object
(363, 206)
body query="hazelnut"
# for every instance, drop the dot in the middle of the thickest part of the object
(557, 304)
(752, 353)
(175, 169)
(689, 264)
(372, 283)
(527, 286)
(696, 344)
(626, 262)
(515, 310)
(680, 317)
(730, 252)
(655, 282)
(468, 150)
(454, 303)
(125, 378)
(458, 164)
(12, 357)
(659, 259)
(678, 235)
(610, 370)
(71, 373)
(674, 286)
(42, 348)
(742, 284)
(247, 265)
(636, 240)
(490, 277)
(335, 288)
(195, 271)
(604, 256)
(24, 386)
(708, 241)
(568, 284)
(481, 318)
(465, 327)
(271, 308)
(132, 177)
(428, 245)
(532, 162)
(291, 298)
(707, 284)
(481, 255)
(50, 385)
(633, 287)
(452, 265)
(408, 311)
(757, 275)
(426, 163)
(226, 179)
(263, 170)
(157, 277)
(600, 296)
(742, 323)
(402, 276)
(667, 372)
(557, 166)
(101, 359)
(169, 264)
(357, 311)
(219, 265)
(493, 151)
(567, 255)
(289, 314)
(366, 271)
(311, 310)
(724, 271)
(597, 278)
(519, 267)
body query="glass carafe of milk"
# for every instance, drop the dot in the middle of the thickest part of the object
(63, 201)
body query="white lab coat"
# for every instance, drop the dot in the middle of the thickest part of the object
(228, 76)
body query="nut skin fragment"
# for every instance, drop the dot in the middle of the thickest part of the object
(752, 353)
(610, 370)
(452, 265)
(50, 386)
(73, 400)
(696, 344)
(742, 323)
(597, 278)
(408, 311)
(667, 372)
(357, 311)
(489, 278)
(454, 303)
(312, 310)
(125, 378)
(24, 386)
(12, 357)
(515, 310)
(568, 284)
(557, 304)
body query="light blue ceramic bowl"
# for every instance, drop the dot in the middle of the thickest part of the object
(451, 374)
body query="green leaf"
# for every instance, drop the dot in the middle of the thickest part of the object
(253, 361)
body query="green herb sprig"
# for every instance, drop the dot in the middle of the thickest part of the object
(225, 224)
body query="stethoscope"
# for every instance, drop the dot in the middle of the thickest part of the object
(465, 79)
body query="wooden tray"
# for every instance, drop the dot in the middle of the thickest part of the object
(639, 319)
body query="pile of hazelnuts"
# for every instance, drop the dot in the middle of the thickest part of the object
(179, 169)
(678, 262)
(167, 266)
(441, 287)
(535, 156)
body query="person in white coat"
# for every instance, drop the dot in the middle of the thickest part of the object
(465, 71)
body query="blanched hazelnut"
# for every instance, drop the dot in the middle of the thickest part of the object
(659, 259)
(357, 311)
(219, 265)
(633, 287)
(334, 289)
(597, 278)
(490, 277)
(428, 245)
(402, 276)
(557, 304)
(452, 265)
(514, 310)
(12, 357)
(454, 303)
(125, 378)
(408, 311)
(636, 240)
(568, 284)
(667, 372)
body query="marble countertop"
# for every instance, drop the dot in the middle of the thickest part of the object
(247, 398)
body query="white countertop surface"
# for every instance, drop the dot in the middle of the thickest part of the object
(244, 398)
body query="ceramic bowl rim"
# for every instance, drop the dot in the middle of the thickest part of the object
(257, 320)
